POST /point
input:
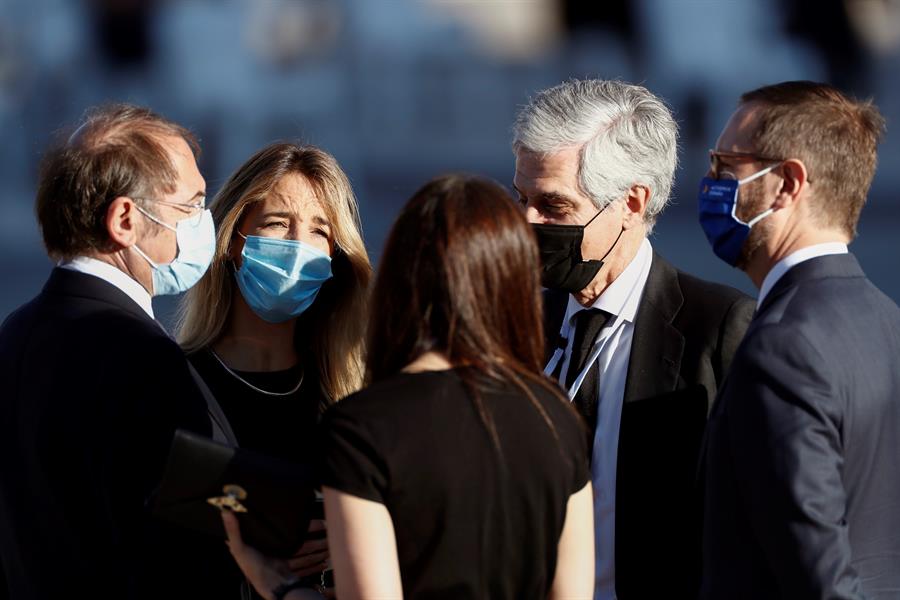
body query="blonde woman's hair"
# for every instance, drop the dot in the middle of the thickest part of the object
(334, 325)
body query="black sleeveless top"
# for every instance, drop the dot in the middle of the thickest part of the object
(281, 426)
(284, 426)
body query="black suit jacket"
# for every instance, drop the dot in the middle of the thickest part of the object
(685, 333)
(92, 391)
(802, 480)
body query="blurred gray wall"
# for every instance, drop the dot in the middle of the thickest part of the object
(401, 90)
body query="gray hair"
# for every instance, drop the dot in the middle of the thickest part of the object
(626, 135)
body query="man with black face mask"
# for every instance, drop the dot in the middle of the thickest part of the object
(640, 347)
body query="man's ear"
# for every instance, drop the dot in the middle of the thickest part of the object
(121, 222)
(794, 179)
(636, 205)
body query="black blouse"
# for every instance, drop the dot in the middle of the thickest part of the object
(472, 519)
(282, 426)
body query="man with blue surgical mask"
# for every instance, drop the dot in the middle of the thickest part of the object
(195, 237)
(802, 492)
(94, 388)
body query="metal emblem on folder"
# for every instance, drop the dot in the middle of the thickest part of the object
(232, 498)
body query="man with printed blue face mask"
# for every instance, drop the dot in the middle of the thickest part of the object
(802, 491)
(94, 388)
(640, 347)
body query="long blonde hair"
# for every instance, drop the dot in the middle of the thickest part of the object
(336, 321)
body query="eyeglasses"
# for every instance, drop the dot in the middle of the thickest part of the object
(716, 156)
(189, 207)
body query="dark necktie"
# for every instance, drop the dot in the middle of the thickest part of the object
(588, 324)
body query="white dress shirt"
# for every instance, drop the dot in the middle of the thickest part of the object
(113, 276)
(794, 259)
(612, 352)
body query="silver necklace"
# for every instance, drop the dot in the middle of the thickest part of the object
(250, 385)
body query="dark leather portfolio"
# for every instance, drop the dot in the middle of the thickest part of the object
(272, 498)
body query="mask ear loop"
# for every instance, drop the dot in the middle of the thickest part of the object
(154, 219)
(618, 237)
(144, 256)
(135, 246)
(763, 214)
(234, 267)
(596, 215)
(760, 217)
(756, 175)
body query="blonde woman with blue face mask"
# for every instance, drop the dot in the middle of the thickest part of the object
(275, 326)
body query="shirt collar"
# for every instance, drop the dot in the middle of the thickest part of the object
(113, 276)
(792, 260)
(623, 295)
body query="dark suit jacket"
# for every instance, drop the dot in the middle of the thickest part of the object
(802, 479)
(685, 333)
(92, 391)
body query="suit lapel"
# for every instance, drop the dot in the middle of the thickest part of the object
(657, 346)
(221, 428)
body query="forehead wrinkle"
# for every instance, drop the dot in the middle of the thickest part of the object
(294, 205)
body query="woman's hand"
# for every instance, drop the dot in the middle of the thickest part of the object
(312, 557)
(263, 572)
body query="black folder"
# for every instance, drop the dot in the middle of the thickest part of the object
(272, 498)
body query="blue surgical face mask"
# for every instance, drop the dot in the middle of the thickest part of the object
(718, 200)
(280, 279)
(196, 239)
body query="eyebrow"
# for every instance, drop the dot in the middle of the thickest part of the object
(200, 194)
(288, 215)
(555, 196)
(548, 196)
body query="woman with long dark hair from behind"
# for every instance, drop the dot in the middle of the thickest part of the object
(460, 472)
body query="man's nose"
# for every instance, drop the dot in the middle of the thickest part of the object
(533, 215)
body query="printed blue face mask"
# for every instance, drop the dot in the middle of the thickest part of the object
(718, 205)
(280, 279)
(196, 239)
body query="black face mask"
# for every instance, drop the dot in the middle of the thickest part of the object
(562, 266)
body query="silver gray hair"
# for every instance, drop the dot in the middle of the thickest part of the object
(627, 136)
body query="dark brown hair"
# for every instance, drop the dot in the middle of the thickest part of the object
(833, 135)
(117, 150)
(460, 275)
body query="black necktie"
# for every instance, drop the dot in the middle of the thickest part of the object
(588, 324)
